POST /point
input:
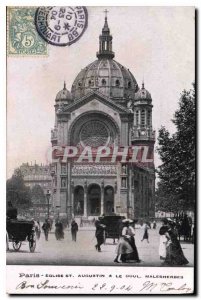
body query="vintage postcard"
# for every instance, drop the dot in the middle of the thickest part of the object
(100, 150)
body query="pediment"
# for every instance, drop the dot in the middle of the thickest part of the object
(94, 97)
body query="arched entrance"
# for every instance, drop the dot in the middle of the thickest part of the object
(78, 200)
(94, 200)
(108, 200)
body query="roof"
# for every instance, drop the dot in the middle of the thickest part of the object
(106, 76)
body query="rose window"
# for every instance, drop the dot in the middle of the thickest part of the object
(94, 133)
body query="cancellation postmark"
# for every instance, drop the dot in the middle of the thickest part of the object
(23, 38)
(61, 26)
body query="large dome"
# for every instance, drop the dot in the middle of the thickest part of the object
(108, 77)
(105, 75)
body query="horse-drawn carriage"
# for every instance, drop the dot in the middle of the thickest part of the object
(19, 231)
(113, 227)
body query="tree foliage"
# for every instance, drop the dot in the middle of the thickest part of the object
(17, 192)
(37, 194)
(177, 153)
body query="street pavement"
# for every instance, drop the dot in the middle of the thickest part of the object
(83, 252)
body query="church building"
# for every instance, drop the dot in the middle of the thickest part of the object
(105, 107)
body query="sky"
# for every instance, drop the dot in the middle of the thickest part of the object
(155, 43)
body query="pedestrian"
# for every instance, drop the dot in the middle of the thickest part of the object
(185, 228)
(74, 230)
(126, 248)
(175, 255)
(146, 234)
(154, 224)
(59, 233)
(46, 229)
(163, 239)
(11, 212)
(37, 228)
(81, 222)
(100, 228)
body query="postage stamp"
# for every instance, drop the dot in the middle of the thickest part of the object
(22, 36)
(61, 26)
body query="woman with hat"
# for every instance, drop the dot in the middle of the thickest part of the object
(126, 246)
(175, 255)
(163, 239)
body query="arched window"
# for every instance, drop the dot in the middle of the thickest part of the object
(117, 83)
(129, 85)
(91, 82)
(108, 200)
(149, 118)
(143, 117)
(137, 117)
(79, 83)
(79, 200)
(103, 82)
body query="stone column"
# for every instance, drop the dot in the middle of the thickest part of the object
(68, 190)
(115, 197)
(72, 198)
(130, 202)
(139, 118)
(85, 199)
(102, 197)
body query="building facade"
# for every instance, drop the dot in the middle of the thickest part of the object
(37, 175)
(105, 108)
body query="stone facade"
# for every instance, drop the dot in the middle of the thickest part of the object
(107, 108)
(37, 175)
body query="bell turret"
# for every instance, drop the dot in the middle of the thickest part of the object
(105, 41)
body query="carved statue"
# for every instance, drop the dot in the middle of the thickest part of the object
(123, 169)
(63, 182)
(124, 182)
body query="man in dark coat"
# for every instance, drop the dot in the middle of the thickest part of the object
(74, 230)
(99, 234)
(11, 212)
(59, 233)
(46, 229)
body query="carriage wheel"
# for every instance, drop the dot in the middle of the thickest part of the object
(7, 242)
(32, 242)
(17, 245)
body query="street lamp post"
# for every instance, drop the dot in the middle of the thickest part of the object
(52, 187)
(48, 203)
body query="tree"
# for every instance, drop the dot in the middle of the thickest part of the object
(17, 192)
(37, 194)
(177, 153)
(166, 202)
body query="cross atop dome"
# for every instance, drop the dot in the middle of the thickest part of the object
(105, 41)
(105, 27)
(106, 11)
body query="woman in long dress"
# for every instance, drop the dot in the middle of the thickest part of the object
(126, 247)
(163, 239)
(175, 255)
(146, 234)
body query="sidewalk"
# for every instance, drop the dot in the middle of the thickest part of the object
(83, 252)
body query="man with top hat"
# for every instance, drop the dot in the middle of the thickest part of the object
(100, 228)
